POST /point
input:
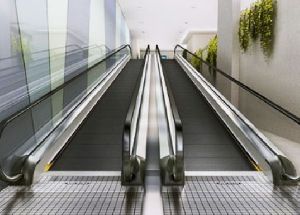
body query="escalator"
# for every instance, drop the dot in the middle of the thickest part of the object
(208, 145)
(97, 144)
(227, 160)
(93, 144)
(145, 136)
(215, 136)
(86, 126)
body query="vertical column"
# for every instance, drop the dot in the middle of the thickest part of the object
(57, 17)
(118, 25)
(110, 23)
(57, 22)
(77, 48)
(96, 39)
(228, 46)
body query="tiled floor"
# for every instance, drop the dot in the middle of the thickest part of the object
(72, 195)
(230, 195)
(249, 194)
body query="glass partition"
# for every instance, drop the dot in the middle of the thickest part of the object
(35, 45)
(44, 44)
(13, 89)
(35, 124)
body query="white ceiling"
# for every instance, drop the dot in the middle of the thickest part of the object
(165, 22)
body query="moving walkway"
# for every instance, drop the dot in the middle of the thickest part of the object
(216, 136)
(94, 148)
(87, 133)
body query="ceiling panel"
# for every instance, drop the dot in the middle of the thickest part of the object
(165, 22)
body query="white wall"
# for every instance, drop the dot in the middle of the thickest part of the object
(228, 46)
(277, 77)
(135, 48)
(165, 22)
(199, 40)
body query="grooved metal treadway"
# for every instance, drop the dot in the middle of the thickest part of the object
(231, 195)
(72, 195)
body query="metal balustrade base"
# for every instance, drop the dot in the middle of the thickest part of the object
(249, 194)
(72, 195)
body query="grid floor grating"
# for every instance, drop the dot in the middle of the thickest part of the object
(72, 195)
(230, 195)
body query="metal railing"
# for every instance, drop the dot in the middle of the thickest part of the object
(172, 166)
(132, 164)
(247, 88)
(282, 168)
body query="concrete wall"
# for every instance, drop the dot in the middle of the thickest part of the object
(199, 40)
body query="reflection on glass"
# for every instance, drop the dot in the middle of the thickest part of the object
(36, 124)
(13, 89)
(35, 46)
(46, 48)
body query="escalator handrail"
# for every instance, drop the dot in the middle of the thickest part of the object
(126, 153)
(6, 121)
(272, 104)
(178, 151)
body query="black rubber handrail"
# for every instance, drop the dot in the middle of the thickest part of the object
(9, 119)
(129, 157)
(266, 100)
(179, 159)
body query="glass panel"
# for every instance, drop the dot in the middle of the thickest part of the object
(78, 35)
(44, 44)
(13, 89)
(118, 25)
(35, 45)
(29, 137)
(110, 24)
(97, 49)
(57, 16)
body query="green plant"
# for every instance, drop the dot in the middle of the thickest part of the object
(267, 26)
(195, 61)
(258, 22)
(244, 36)
(254, 20)
(212, 49)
